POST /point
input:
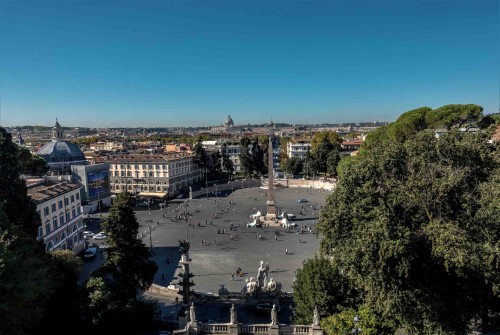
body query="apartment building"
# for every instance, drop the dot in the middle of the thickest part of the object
(298, 148)
(59, 206)
(153, 175)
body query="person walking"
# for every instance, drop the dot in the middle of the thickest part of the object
(232, 276)
(286, 251)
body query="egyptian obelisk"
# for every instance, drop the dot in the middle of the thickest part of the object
(271, 204)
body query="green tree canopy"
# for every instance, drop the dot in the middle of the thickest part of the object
(320, 284)
(415, 226)
(127, 269)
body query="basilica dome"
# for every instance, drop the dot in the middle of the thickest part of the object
(60, 154)
(229, 122)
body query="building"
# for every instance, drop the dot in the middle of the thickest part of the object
(61, 154)
(95, 191)
(298, 148)
(58, 204)
(153, 175)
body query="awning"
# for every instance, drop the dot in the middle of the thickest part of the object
(153, 194)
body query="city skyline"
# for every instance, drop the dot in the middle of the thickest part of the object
(191, 63)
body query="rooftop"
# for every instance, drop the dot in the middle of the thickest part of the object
(49, 190)
(153, 158)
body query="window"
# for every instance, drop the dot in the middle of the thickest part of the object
(68, 218)
(39, 214)
(78, 196)
(40, 232)
(54, 223)
(72, 198)
(66, 201)
(73, 213)
(78, 210)
(54, 207)
(47, 227)
(61, 219)
(46, 211)
(60, 204)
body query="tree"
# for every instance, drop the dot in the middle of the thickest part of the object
(411, 224)
(32, 165)
(321, 145)
(320, 275)
(247, 163)
(27, 275)
(309, 166)
(128, 266)
(294, 165)
(332, 162)
(227, 163)
(200, 156)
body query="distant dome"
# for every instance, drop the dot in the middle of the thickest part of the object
(60, 154)
(229, 122)
(61, 151)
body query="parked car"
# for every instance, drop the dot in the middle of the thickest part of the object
(302, 200)
(90, 253)
(87, 234)
(100, 236)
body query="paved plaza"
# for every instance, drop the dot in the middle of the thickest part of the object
(225, 250)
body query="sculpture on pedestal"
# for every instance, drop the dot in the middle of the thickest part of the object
(315, 316)
(261, 275)
(273, 287)
(192, 314)
(251, 286)
(234, 318)
(274, 315)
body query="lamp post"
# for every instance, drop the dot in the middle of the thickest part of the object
(150, 228)
(206, 181)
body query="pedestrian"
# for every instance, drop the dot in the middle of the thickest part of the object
(215, 242)
(157, 223)
(286, 251)
(232, 276)
(300, 240)
(275, 237)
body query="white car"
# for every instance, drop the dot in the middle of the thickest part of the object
(87, 234)
(100, 236)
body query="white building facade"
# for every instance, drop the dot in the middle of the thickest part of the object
(59, 206)
(153, 175)
(298, 148)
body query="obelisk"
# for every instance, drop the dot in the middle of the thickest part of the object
(271, 204)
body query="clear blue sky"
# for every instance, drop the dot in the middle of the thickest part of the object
(180, 63)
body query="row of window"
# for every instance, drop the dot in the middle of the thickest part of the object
(59, 205)
(150, 166)
(57, 222)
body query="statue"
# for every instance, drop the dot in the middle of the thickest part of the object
(252, 286)
(261, 274)
(274, 315)
(316, 316)
(273, 286)
(223, 290)
(184, 247)
(234, 318)
(192, 313)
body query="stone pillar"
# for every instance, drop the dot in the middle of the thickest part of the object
(271, 204)
(274, 330)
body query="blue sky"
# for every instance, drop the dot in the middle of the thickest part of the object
(181, 63)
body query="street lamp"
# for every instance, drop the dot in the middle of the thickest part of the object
(150, 228)
(206, 181)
